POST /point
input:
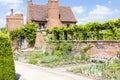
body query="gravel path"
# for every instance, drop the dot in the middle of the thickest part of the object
(31, 72)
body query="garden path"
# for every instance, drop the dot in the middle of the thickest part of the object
(26, 71)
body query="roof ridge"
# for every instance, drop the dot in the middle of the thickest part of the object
(65, 6)
(39, 12)
(40, 4)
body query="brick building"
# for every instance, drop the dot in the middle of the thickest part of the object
(14, 21)
(44, 16)
(48, 16)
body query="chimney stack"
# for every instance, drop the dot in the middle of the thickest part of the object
(29, 1)
(11, 12)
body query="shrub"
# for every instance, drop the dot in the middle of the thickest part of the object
(110, 70)
(33, 61)
(28, 31)
(50, 59)
(105, 70)
(87, 70)
(78, 58)
(3, 30)
(62, 48)
(36, 55)
(57, 52)
(85, 56)
(68, 58)
(116, 60)
(7, 70)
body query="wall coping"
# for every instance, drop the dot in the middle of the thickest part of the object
(84, 41)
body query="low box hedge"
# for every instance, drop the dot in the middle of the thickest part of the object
(7, 69)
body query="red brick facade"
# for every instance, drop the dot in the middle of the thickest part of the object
(53, 14)
(98, 47)
(45, 16)
(50, 15)
(14, 21)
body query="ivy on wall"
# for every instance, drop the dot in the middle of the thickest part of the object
(109, 30)
(28, 31)
(3, 30)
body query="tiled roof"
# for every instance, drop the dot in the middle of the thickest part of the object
(40, 13)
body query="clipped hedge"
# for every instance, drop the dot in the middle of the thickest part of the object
(7, 70)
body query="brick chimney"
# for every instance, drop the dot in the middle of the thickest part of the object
(29, 1)
(53, 14)
(28, 14)
(14, 21)
(11, 12)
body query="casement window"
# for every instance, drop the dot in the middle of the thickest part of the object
(41, 26)
(68, 25)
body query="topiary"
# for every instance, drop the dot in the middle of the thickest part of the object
(7, 70)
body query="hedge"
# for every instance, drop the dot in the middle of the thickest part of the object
(7, 69)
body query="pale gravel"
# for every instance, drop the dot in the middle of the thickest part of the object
(32, 72)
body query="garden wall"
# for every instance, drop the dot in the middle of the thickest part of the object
(110, 48)
(99, 47)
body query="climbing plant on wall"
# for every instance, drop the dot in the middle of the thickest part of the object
(109, 30)
(28, 31)
(3, 30)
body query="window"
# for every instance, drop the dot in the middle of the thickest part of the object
(68, 25)
(41, 26)
(59, 16)
(22, 42)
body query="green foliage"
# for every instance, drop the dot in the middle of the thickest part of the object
(116, 60)
(36, 55)
(16, 34)
(84, 55)
(28, 31)
(33, 61)
(7, 70)
(3, 30)
(78, 58)
(110, 75)
(114, 67)
(112, 71)
(109, 30)
(106, 70)
(86, 48)
(88, 70)
(57, 52)
(76, 69)
(50, 58)
(62, 48)
(54, 60)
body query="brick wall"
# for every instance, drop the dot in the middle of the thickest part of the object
(53, 14)
(14, 21)
(99, 47)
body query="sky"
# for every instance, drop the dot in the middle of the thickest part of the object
(84, 10)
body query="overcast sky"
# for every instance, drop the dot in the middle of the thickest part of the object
(84, 10)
